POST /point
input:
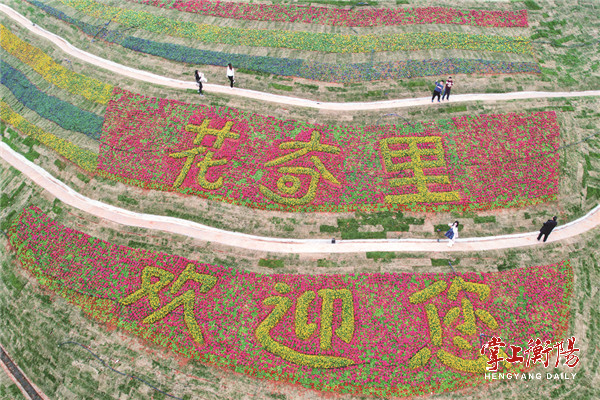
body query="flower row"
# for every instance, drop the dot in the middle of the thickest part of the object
(345, 17)
(54, 73)
(275, 326)
(257, 161)
(326, 72)
(299, 40)
(52, 108)
(80, 156)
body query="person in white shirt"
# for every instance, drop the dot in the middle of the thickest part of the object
(230, 74)
(199, 80)
(452, 233)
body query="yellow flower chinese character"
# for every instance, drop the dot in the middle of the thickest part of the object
(417, 164)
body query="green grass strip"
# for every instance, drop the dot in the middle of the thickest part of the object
(310, 41)
(52, 72)
(84, 158)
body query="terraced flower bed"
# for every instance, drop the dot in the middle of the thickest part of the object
(54, 73)
(81, 157)
(299, 40)
(52, 108)
(478, 162)
(309, 69)
(378, 334)
(344, 16)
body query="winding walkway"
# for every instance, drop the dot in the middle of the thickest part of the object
(125, 217)
(262, 96)
(268, 244)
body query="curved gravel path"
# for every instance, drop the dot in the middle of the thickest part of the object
(261, 96)
(279, 245)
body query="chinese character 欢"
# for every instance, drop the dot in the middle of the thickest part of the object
(151, 290)
(421, 156)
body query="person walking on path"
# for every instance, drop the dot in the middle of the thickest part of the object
(447, 88)
(452, 233)
(439, 86)
(547, 228)
(230, 74)
(199, 80)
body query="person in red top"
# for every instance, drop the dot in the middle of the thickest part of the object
(447, 88)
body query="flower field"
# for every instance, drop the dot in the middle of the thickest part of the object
(81, 157)
(54, 73)
(309, 69)
(393, 334)
(299, 40)
(345, 17)
(478, 162)
(52, 108)
(262, 162)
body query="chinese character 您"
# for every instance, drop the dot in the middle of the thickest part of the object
(468, 327)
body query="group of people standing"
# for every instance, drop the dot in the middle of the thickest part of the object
(442, 88)
(545, 230)
(200, 78)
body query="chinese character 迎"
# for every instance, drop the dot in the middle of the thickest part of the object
(305, 330)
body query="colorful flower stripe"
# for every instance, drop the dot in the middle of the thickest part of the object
(345, 17)
(324, 72)
(309, 41)
(268, 163)
(361, 72)
(52, 108)
(366, 334)
(54, 73)
(532, 165)
(84, 158)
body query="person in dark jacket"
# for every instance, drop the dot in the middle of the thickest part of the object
(439, 86)
(447, 88)
(547, 228)
(200, 79)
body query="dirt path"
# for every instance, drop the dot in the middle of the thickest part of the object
(17, 376)
(261, 96)
(278, 245)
